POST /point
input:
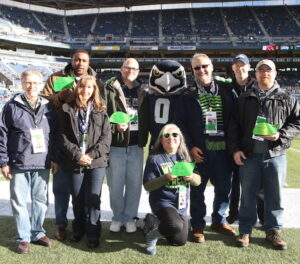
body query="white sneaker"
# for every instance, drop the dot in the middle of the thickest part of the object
(130, 227)
(115, 226)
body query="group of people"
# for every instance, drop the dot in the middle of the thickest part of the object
(210, 123)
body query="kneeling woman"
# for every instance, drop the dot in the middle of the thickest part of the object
(169, 195)
(86, 140)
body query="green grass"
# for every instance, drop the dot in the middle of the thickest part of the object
(129, 248)
(293, 178)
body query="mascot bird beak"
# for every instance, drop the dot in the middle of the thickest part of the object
(167, 81)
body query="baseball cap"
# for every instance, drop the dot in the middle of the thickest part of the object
(267, 62)
(241, 57)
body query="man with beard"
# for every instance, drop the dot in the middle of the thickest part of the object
(261, 156)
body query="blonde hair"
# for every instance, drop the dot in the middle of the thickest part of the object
(95, 98)
(182, 148)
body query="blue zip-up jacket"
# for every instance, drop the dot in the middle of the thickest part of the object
(16, 149)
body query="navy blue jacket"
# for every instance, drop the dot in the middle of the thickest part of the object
(16, 149)
(195, 124)
(166, 196)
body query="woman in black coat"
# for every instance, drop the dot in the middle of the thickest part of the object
(86, 139)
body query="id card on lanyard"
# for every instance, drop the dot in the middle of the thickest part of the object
(182, 197)
(37, 140)
(85, 135)
(211, 124)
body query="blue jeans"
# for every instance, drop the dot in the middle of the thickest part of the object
(35, 183)
(261, 170)
(217, 168)
(61, 191)
(124, 178)
(86, 192)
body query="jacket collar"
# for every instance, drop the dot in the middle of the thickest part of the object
(68, 70)
(17, 98)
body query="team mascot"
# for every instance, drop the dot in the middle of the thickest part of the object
(163, 102)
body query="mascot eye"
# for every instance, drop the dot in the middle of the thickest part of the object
(178, 74)
(156, 73)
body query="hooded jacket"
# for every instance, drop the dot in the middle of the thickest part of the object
(281, 109)
(16, 149)
(115, 100)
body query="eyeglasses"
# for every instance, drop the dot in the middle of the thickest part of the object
(174, 135)
(128, 69)
(204, 66)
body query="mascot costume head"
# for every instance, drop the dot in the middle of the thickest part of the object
(167, 77)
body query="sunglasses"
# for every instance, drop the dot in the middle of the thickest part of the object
(167, 135)
(204, 66)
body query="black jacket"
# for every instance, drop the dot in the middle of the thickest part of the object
(195, 125)
(242, 89)
(99, 138)
(115, 100)
(281, 109)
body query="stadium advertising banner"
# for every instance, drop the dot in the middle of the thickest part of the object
(143, 47)
(181, 47)
(105, 48)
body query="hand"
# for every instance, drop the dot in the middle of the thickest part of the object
(274, 137)
(122, 127)
(64, 94)
(238, 156)
(54, 167)
(188, 178)
(197, 154)
(6, 172)
(85, 160)
(169, 177)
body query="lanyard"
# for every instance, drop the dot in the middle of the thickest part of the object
(83, 135)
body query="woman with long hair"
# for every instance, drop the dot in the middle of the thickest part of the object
(86, 139)
(169, 194)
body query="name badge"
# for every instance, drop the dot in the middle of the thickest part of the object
(182, 197)
(38, 140)
(211, 124)
(134, 122)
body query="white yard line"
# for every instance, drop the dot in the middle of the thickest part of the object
(294, 149)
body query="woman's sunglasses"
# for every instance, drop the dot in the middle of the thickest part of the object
(167, 135)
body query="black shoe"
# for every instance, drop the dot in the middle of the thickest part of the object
(93, 243)
(151, 223)
(231, 219)
(75, 238)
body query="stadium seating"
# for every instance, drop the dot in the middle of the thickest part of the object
(176, 22)
(209, 23)
(241, 21)
(277, 21)
(53, 23)
(21, 17)
(145, 24)
(80, 26)
(114, 24)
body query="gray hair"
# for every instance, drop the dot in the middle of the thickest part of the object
(182, 148)
(31, 72)
(199, 55)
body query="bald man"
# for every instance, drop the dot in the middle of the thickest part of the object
(124, 174)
